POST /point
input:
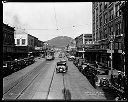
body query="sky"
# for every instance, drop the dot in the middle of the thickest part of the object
(48, 20)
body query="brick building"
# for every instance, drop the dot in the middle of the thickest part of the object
(8, 41)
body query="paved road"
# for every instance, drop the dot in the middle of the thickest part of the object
(40, 81)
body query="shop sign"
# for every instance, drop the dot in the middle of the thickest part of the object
(119, 51)
(110, 51)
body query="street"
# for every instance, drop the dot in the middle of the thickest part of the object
(42, 82)
(65, 51)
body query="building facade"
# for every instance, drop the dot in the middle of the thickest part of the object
(8, 41)
(108, 31)
(81, 42)
(24, 43)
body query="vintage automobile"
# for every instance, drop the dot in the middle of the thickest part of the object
(63, 61)
(61, 67)
(7, 67)
(119, 84)
(31, 59)
(75, 62)
(102, 78)
(71, 58)
(60, 55)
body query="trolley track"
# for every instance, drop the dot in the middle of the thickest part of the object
(50, 85)
(23, 77)
(35, 71)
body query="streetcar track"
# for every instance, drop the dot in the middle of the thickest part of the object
(50, 85)
(28, 85)
(24, 77)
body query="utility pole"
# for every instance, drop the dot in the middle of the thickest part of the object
(83, 46)
(112, 51)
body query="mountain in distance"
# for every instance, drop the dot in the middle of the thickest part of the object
(60, 41)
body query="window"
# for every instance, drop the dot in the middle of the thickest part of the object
(96, 12)
(116, 45)
(100, 34)
(111, 30)
(105, 5)
(120, 28)
(117, 10)
(18, 41)
(86, 39)
(23, 41)
(119, 46)
(101, 21)
(100, 7)
(105, 18)
(105, 33)
(111, 14)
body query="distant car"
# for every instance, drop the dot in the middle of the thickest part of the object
(61, 67)
(60, 55)
(71, 58)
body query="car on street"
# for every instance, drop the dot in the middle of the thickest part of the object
(61, 67)
(7, 67)
(71, 58)
(102, 78)
(63, 61)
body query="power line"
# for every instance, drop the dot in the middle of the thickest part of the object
(55, 17)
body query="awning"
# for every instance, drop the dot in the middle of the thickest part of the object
(96, 50)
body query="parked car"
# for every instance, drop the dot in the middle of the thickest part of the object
(71, 58)
(102, 78)
(7, 68)
(61, 67)
(75, 61)
(31, 59)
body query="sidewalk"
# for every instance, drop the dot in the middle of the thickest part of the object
(79, 86)
(21, 73)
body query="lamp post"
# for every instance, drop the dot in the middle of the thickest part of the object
(111, 39)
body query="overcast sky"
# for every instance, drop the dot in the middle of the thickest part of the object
(42, 19)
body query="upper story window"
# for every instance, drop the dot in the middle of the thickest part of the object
(23, 41)
(111, 12)
(101, 21)
(105, 5)
(100, 7)
(18, 41)
(96, 12)
(105, 33)
(105, 18)
(117, 10)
